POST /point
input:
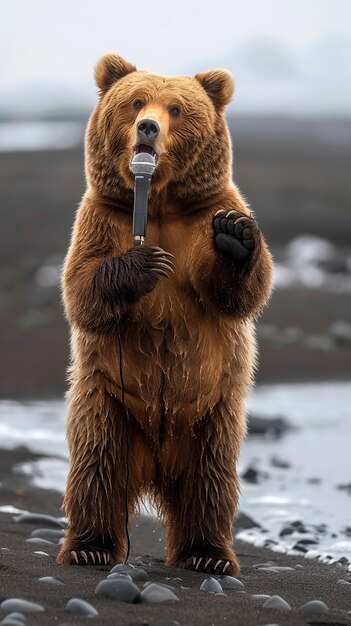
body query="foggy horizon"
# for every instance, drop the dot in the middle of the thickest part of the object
(293, 60)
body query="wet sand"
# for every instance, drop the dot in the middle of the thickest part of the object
(21, 567)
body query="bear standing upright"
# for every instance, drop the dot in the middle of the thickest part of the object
(184, 304)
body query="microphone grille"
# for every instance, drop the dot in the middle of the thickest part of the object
(143, 163)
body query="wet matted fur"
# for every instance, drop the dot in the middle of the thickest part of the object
(188, 340)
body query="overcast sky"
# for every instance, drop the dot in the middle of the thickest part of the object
(58, 42)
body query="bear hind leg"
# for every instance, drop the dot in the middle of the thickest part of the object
(94, 500)
(201, 500)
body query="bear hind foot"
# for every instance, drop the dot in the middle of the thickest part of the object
(90, 555)
(210, 562)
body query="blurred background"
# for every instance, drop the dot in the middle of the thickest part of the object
(291, 128)
(290, 121)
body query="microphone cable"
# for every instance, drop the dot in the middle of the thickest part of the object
(127, 460)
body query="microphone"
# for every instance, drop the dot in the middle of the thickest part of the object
(142, 166)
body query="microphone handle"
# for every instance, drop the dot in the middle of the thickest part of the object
(141, 193)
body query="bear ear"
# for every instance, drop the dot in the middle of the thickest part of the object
(111, 68)
(219, 86)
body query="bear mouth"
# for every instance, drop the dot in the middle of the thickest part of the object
(142, 147)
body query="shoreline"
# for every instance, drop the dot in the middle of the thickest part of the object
(21, 566)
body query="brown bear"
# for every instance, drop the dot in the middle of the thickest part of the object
(188, 345)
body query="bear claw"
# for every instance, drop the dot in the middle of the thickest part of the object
(81, 557)
(211, 565)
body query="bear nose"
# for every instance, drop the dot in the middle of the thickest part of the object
(148, 129)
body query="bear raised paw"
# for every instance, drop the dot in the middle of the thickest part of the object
(179, 306)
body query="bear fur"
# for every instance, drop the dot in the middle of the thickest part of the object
(188, 345)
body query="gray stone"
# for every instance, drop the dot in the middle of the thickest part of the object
(229, 582)
(38, 518)
(122, 568)
(161, 584)
(157, 593)
(343, 582)
(221, 593)
(276, 602)
(23, 606)
(118, 575)
(39, 541)
(276, 568)
(139, 575)
(314, 607)
(80, 607)
(20, 617)
(51, 580)
(14, 619)
(260, 596)
(121, 589)
(51, 534)
(136, 573)
(211, 585)
(267, 564)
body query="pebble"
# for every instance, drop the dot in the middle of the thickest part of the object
(299, 547)
(161, 584)
(229, 582)
(279, 463)
(80, 607)
(343, 582)
(136, 573)
(157, 593)
(314, 607)
(276, 602)
(343, 561)
(51, 534)
(267, 564)
(39, 540)
(253, 475)
(276, 569)
(38, 518)
(139, 575)
(275, 426)
(14, 619)
(121, 589)
(122, 568)
(211, 585)
(23, 606)
(51, 580)
(243, 521)
(260, 596)
(118, 575)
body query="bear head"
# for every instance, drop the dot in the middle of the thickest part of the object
(178, 119)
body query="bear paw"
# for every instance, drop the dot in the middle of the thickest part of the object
(92, 555)
(211, 565)
(236, 234)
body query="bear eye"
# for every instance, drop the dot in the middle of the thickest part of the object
(174, 111)
(138, 104)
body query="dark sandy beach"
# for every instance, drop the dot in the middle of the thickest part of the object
(21, 567)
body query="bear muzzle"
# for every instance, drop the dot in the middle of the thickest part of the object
(148, 131)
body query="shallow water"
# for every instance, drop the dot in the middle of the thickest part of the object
(317, 451)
